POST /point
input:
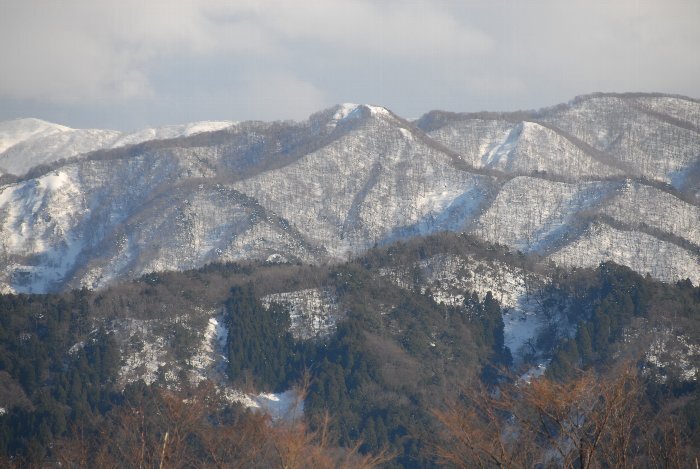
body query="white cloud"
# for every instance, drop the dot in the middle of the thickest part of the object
(76, 50)
(606, 41)
(407, 30)
(275, 58)
(82, 49)
(279, 94)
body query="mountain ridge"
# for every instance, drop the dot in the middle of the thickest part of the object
(354, 176)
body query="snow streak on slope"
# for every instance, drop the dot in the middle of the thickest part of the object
(313, 312)
(473, 139)
(523, 148)
(540, 149)
(209, 360)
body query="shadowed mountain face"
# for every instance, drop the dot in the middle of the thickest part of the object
(604, 177)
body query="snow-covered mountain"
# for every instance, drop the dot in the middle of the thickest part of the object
(593, 136)
(603, 177)
(26, 143)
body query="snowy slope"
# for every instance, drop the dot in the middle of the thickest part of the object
(20, 130)
(639, 251)
(634, 203)
(654, 136)
(542, 216)
(360, 188)
(25, 143)
(530, 214)
(657, 144)
(313, 311)
(522, 148)
(348, 178)
(471, 138)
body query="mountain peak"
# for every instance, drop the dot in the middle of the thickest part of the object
(350, 111)
(16, 131)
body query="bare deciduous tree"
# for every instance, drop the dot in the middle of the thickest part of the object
(590, 422)
(167, 431)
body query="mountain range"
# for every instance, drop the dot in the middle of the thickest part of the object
(603, 177)
(359, 269)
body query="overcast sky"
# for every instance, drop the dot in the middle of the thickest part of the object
(126, 64)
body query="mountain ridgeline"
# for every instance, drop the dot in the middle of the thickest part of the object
(604, 177)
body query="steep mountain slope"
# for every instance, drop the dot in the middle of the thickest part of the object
(517, 147)
(564, 183)
(379, 177)
(188, 203)
(642, 252)
(601, 135)
(637, 131)
(583, 224)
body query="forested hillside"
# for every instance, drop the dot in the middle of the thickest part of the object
(386, 371)
(511, 289)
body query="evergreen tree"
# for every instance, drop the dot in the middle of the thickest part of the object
(584, 344)
(259, 342)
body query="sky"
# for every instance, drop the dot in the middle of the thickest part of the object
(128, 64)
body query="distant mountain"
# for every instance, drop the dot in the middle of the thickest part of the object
(26, 143)
(604, 177)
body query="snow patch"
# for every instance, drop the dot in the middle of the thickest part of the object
(209, 361)
(313, 312)
(346, 110)
(286, 405)
(143, 351)
(504, 150)
(674, 351)
(378, 111)
(75, 348)
(534, 373)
